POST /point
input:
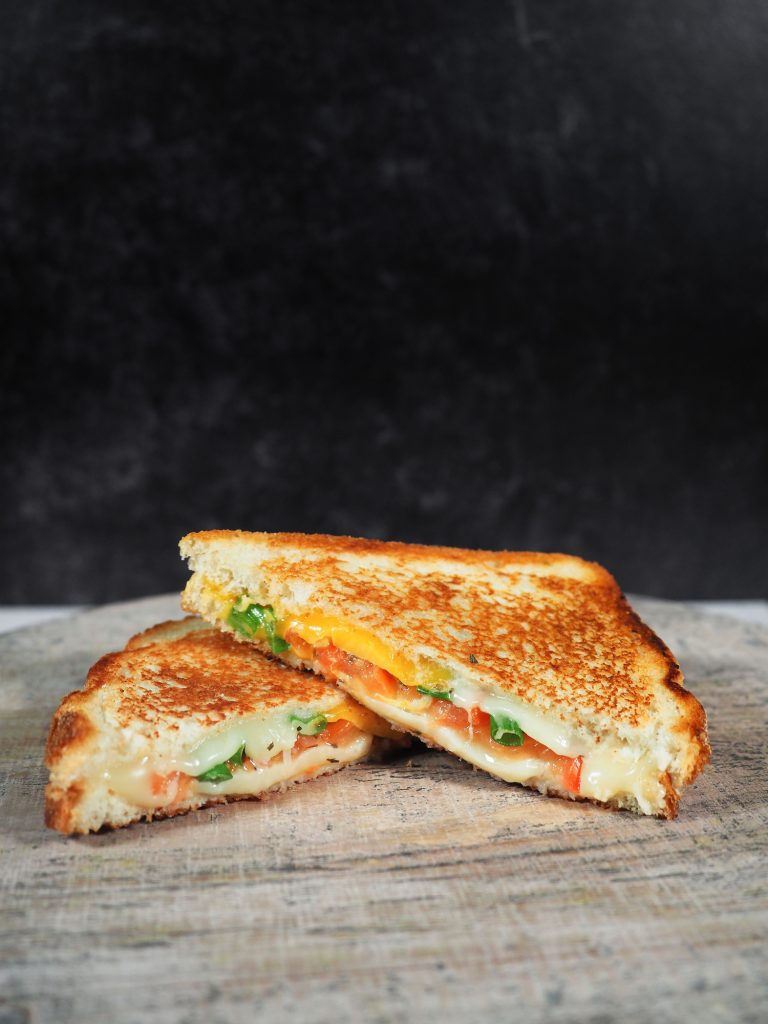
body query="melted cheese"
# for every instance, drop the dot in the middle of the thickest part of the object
(133, 782)
(610, 770)
(317, 629)
(363, 718)
(218, 598)
(263, 738)
(607, 771)
(312, 759)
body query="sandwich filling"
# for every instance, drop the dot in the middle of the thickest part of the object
(485, 726)
(250, 757)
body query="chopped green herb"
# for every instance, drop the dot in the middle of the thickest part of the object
(506, 731)
(472, 659)
(439, 694)
(222, 772)
(237, 757)
(311, 726)
(255, 617)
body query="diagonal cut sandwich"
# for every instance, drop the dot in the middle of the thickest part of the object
(530, 666)
(185, 717)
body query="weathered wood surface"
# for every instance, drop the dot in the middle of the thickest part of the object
(417, 891)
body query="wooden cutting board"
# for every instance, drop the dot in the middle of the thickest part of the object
(420, 890)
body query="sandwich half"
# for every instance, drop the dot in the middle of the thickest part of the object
(185, 717)
(530, 666)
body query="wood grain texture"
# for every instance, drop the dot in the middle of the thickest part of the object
(416, 890)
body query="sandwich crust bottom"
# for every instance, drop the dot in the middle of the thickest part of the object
(67, 811)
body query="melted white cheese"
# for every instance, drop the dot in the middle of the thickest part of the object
(552, 732)
(611, 770)
(265, 776)
(608, 771)
(263, 738)
(133, 782)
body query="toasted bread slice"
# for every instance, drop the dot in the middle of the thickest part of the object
(531, 666)
(185, 717)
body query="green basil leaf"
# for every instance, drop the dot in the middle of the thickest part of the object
(219, 773)
(506, 731)
(222, 772)
(439, 694)
(237, 757)
(311, 726)
(276, 643)
(249, 621)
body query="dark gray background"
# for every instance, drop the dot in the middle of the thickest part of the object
(488, 274)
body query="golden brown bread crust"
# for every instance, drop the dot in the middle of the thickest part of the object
(214, 676)
(61, 805)
(550, 630)
(399, 551)
(691, 723)
(69, 728)
(171, 629)
(173, 677)
(528, 621)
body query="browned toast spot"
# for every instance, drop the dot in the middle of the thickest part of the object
(61, 804)
(68, 729)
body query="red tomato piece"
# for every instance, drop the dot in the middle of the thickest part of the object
(481, 721)
(336, 733)
(334, 662)
(572, 774)
(304, 743)
(300, 646)
(157, 783)
(173, 786)
(448, 714)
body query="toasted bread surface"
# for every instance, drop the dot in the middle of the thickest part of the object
(171, 687)
(550, 630)
(206, 675)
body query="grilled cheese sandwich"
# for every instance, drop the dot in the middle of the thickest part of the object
(532, 667)
(185, 717)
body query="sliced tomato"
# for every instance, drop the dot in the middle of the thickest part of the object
(528, 748)
(572, 773)
(481, 721)
(304, 743)
(568, 768)
(333, 662)
(300, 646)
(448, 714)
(157, 783)
(337, 733)
(174, 786)
(378, 681)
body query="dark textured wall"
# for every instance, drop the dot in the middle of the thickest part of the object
(491, 274)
